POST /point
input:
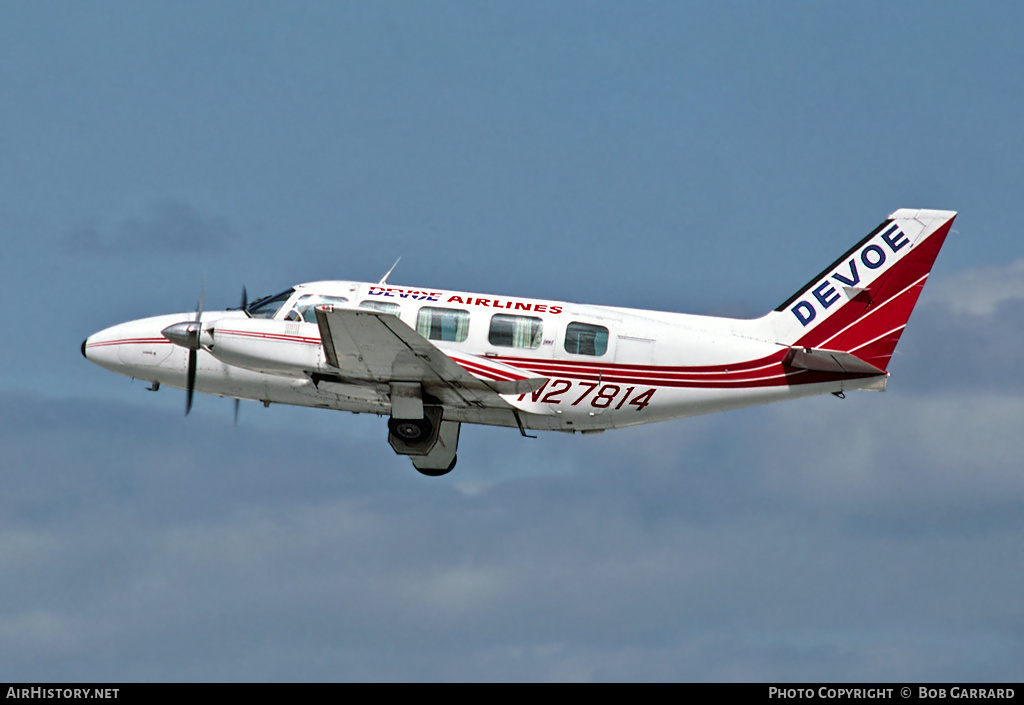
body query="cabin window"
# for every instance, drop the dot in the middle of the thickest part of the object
(304, 308)
(515, 331)
(385, 306)
(586, 339)
(448, 324)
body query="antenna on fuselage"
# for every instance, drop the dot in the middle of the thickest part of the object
(384, 279)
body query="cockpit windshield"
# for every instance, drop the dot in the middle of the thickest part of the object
(268, 306)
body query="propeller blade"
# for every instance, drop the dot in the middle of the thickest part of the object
(202, 299)
(190, 382)
(238, 402)
(245, 298)
(193, 350)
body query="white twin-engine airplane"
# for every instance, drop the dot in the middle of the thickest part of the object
(432, 360)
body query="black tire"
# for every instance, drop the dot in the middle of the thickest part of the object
(439, 473)
(410, 431)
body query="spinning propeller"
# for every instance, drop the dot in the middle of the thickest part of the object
(244, 307)
(187, 334)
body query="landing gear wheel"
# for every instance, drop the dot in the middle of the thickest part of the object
(410, 431)
(438, 473)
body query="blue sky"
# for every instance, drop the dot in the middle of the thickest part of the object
(680, 156)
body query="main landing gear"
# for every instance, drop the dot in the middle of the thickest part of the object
(429, 441)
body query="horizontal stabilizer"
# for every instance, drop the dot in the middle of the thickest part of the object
(829, 361)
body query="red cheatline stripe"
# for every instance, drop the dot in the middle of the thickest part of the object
(751, 370)
(789, 377)
(128, 341)
(488, 372)
(502, 372)
(269, 336)
(485, 374)
(767, 363)
(656, 378)
(737, 366)
(493, 368)
(779, 376)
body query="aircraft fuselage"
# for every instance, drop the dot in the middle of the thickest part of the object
(635, 379)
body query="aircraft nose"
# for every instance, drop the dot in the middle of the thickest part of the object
(112, 347)
(101, 348)
(134, 348)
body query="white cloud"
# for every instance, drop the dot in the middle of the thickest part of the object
(891, 448)
(979, 291)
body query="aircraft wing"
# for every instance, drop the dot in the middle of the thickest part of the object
(373, 346)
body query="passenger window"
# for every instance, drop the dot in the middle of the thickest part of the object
(384, 306)
(515, 331)
(447, 324)
(585, 339)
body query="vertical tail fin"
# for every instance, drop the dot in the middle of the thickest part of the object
(860, 304)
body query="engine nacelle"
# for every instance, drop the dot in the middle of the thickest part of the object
(278, 347)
